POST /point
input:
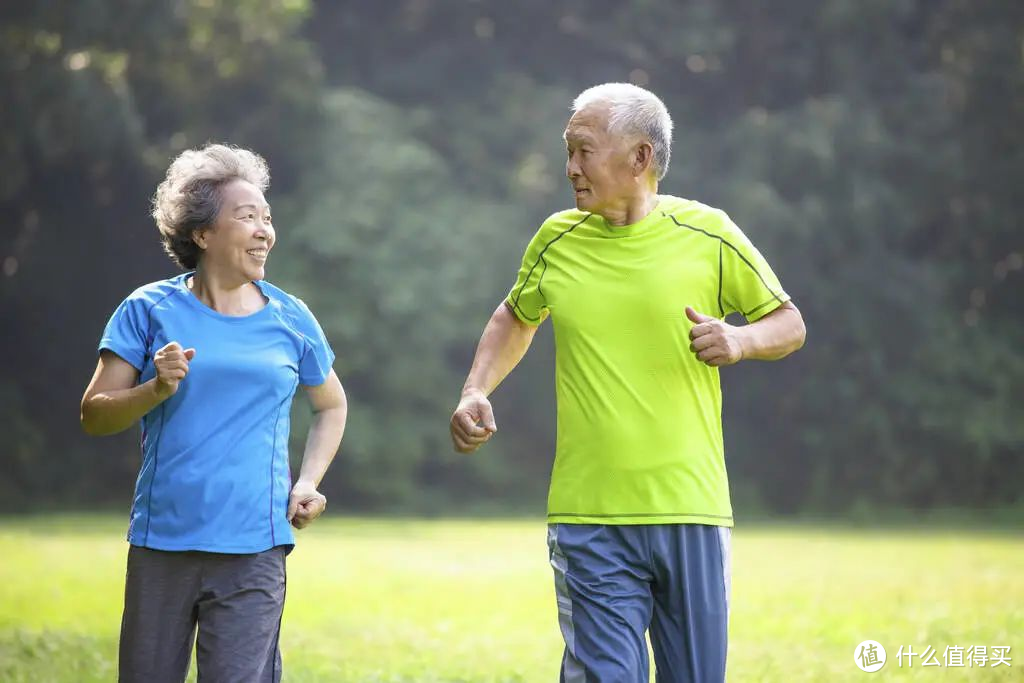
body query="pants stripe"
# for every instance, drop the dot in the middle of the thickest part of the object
(572, 669)
(725, 541)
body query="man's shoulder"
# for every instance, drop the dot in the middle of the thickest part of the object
(560, 221)
(696, 215)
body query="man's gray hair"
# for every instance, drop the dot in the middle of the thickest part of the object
(189, 197)
(633, 111)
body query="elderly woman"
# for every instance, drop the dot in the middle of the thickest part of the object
(209, 361)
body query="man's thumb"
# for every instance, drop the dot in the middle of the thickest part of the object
(487, 418)
(697, 317)
(190, 354)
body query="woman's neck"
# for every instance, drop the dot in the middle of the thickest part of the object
(228, 295)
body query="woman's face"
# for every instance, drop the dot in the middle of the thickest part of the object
(243, 234)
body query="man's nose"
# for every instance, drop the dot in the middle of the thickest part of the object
(572, 169)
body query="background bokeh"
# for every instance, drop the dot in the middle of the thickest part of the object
(874, 151)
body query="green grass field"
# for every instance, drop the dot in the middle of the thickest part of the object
(376, 600)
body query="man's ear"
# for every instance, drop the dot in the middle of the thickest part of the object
(643, 157)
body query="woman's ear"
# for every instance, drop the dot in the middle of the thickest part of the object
(199, 237)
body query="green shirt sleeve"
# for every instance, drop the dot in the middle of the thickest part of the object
(749, 286)
(526, 299)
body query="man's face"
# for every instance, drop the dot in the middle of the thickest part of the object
(599, 164)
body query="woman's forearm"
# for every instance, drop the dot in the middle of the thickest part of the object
(110, 412)
(322, 443)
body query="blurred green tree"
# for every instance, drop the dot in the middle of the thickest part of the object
(871, 149)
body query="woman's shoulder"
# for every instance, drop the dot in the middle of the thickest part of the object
(290, 305)
(153, 293)
(275, 293)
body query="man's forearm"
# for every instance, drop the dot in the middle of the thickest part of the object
(110, 412)
(322, 443)
(774, 336)
(502, 345)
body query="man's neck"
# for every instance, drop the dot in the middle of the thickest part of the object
(632, 210)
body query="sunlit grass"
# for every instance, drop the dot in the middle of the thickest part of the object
(376, 600)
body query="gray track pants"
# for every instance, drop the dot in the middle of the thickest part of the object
(235, 600)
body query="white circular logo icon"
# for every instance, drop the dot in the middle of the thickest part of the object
(869, 656)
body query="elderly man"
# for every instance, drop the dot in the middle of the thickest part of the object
(636, 284)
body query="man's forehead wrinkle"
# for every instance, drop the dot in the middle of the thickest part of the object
(578, 132)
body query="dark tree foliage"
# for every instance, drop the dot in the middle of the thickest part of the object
(872, 149)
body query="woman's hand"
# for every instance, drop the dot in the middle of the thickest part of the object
(171, 363)
(305, 504)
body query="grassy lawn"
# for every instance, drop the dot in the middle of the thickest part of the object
(388, 601)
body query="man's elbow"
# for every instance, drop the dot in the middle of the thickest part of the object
(799, 330)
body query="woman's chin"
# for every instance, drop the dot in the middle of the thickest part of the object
(256, 273)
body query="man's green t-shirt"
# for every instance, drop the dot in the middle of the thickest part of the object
(639, 417)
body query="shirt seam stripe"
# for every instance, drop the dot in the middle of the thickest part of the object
(540, 257)
(768, 302)
(721, 310)
(150, 337)
(729, 244)
(152, 479)
(273, 457)
(638, 514)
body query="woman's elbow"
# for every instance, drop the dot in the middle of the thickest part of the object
(88, 421)
(92, 422)
(339, 412)
(334, 407)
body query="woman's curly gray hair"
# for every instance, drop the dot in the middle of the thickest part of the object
(189, 198)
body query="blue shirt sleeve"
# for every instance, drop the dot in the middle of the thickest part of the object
(126, 332)
(317, 354)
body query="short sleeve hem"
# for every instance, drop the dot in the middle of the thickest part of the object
(318, 378)
(519, 313)
(766, 307)
(130, 356)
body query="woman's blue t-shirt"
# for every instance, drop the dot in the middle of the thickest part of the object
(215, 473)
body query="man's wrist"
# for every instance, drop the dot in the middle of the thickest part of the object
(746, 342)
(473, 391)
